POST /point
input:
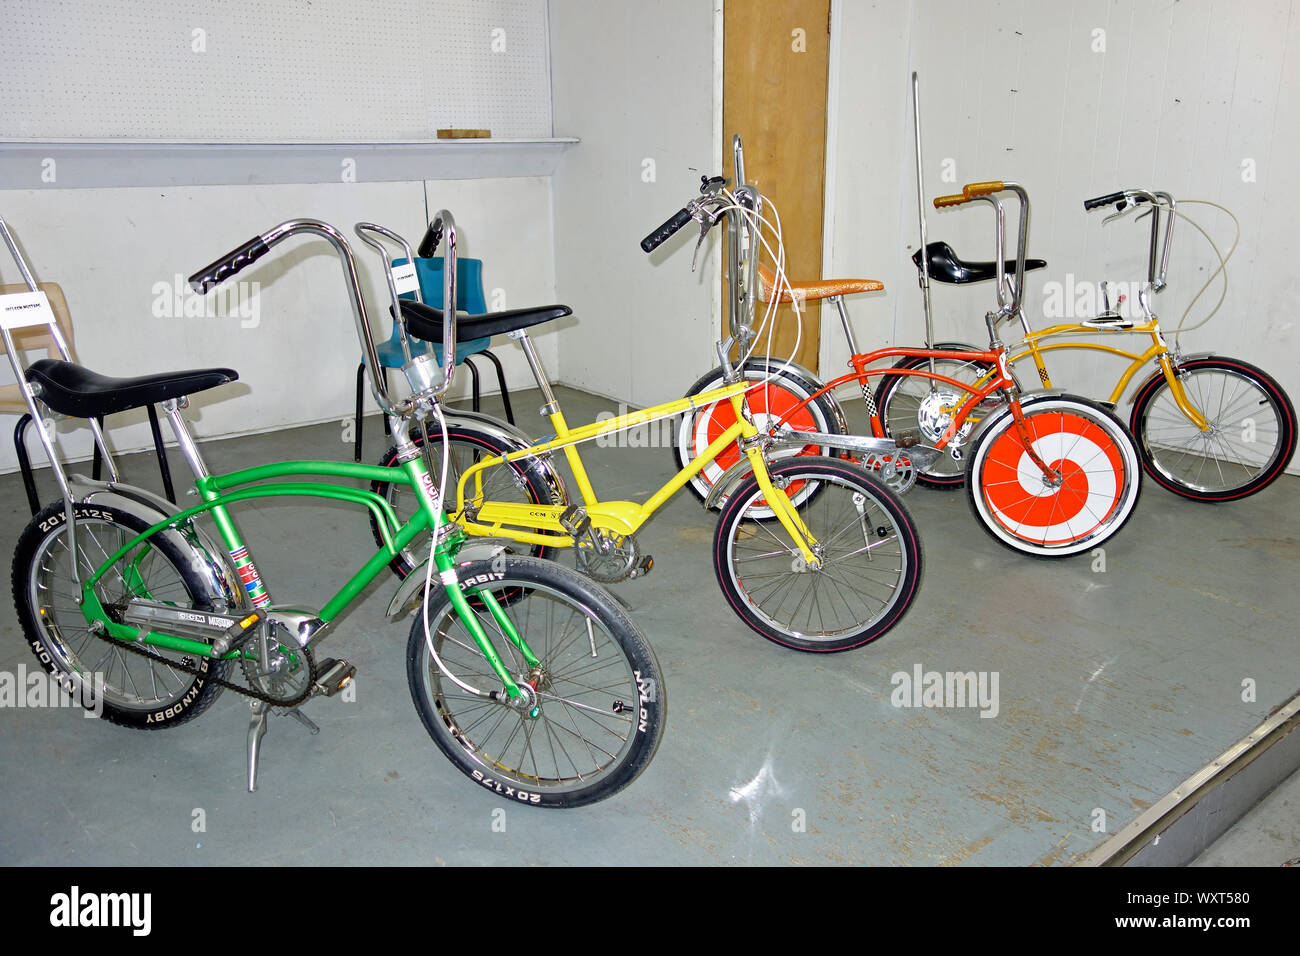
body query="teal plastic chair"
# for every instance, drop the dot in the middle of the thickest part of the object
(470, 300)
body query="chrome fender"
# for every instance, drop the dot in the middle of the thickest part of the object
(410, 593)
(207, 558)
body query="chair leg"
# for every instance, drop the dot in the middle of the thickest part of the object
(24, 463)
(384, 372)
(473, 380)
(501, 380)
(97, 462)
(356, 447)
(161, 451)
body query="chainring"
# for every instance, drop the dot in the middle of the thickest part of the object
(607, 558)
(286, 677)
(895, 470)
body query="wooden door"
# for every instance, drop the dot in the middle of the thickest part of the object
(775, 65)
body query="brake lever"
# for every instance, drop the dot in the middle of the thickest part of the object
(707, 220)
(1125, 207)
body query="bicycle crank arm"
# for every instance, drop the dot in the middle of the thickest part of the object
(223, 630)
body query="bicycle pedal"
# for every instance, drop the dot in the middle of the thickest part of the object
(575, 521)
(238, 633)
(643, 567)
(333, 676)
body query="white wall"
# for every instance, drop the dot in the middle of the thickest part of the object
(1183, 95)
(108, 248)
(634, 81)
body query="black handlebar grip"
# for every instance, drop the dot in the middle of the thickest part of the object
(429, 244)
(1091, 204)
(211, 276)
(653, 241)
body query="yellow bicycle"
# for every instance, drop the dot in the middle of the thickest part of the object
(810, 552)
(1207, 427)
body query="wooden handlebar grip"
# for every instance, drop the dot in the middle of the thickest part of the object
(971, 190)
(957, 200)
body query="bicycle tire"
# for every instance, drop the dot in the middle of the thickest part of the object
(584, 708)
(1102, 477)
(866, 596)
(1166, 439)
(56, 631)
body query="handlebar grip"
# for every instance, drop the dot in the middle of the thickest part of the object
(957, 200)
(429, 244)
(972, 190)
(652, 242)
(237, 259)
(1091, 204)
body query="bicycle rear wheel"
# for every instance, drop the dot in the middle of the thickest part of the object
(598, 691)
(1252, 433)
(866, 540)
(134, 689)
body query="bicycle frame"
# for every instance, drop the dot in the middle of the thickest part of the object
(219, 491)
(497, 519)
(1158, 352)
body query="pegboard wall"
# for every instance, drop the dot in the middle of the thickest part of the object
(273, 71)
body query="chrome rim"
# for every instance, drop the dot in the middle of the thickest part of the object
(863, 562)
(1244, 438)
(586, 691)
(130, 681)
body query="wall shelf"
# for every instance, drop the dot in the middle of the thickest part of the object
(85, 164)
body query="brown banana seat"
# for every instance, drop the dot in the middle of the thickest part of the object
(822, 289)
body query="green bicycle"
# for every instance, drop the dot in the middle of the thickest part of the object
(531, 679)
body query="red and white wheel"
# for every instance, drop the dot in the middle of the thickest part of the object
(1097, 483)
(776, 399)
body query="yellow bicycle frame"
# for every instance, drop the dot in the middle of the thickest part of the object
(511, 520)
(1158, 352)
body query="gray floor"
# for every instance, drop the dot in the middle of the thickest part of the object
(1114, 687)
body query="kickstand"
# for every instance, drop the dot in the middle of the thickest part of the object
(256, 731)
(303, 719)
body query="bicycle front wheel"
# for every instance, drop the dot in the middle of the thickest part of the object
(599, 697)
(1094, 489)
(1251, 439)
(866, 541)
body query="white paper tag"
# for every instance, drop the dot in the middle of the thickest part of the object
(19, 310)
(405, 279)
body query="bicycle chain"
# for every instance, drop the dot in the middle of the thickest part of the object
(246, 691)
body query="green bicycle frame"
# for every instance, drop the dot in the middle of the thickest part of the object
(218, 491)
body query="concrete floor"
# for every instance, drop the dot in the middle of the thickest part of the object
(1114, 687)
